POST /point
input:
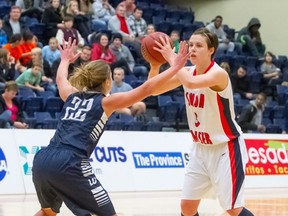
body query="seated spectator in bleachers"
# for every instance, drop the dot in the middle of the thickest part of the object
(13, 24)
(3, 35)
(240, 83)
(47, 76)
(84, 58)
(137, 24)
(150, 29)
(129, 5)
(50, 52)
(101, 50)
(69, 32)
(271, 74)
(52, 18)
(31, 78)
(85, 6)
(122, 54)
(118, 85)
(14, 46)
(27, 45)
(102, 11)
(215, 27)
(175, 38)
(81, 20)
(30, 8)
(250, 38)
(250, 119)
(7, 67)
(10, 110)
(226, 67)
(119, 24)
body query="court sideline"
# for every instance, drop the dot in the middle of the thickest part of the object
(263, 202)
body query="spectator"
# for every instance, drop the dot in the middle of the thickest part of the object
(31, 78)
(215, 27)
(250, 38)
(13, 24)
(10, 110)
(150, 29)
(137, 23)
(118, 85)
(175, 37)
(119, 24)
(52, 18)
(47, 77)
(7, 67)
(30, 8)
(69, 32)
(85, 6)
(129, 5)
(271, 74)
(27, 45)
(250, 119)
(102, 11)
(85, 57)
(14, 46)
(3, 35)
(226, 67)
(50, 52)
(101, 50)
(124, 58)
(240, 83)
(81, 20)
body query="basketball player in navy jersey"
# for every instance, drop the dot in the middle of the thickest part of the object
(62, 172)
(218, 154)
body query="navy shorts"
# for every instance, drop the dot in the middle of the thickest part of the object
(64, 175)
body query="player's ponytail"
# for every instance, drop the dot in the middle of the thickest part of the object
(91, 76)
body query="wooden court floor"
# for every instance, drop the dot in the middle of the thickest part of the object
(262, 202)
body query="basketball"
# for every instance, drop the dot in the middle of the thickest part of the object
(148, 53)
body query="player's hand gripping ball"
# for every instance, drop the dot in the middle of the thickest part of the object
(147, 44)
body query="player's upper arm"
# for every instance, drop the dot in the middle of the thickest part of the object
(216, 78)
(65, 88)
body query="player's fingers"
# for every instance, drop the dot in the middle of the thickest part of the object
(159, 44)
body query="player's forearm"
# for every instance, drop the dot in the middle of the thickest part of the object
(154, 70)
(62, 72)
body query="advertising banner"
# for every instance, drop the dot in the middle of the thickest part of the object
(11, 181)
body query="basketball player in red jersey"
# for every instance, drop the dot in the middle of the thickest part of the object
(218, 154)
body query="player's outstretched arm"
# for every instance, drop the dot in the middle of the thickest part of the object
(67, 56)
(126, 99)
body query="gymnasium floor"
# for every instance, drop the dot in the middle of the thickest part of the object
(263, 202)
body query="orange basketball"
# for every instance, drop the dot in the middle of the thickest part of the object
(148, 53)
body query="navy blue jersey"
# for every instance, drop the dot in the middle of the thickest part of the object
(82, 122)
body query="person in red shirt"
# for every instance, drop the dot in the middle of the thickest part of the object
(27, 45)
(101, 50)
(14, 46)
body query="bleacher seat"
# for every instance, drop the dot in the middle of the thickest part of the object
(41, 118)
(4, 10)
(33, 104)
(115, 124)
(53, 105)
(134, 126)
(154, 126)
(278, 112)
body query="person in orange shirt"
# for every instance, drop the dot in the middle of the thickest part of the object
(27, 45)
(14, 46)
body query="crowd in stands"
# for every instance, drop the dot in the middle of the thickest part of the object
(112, 30)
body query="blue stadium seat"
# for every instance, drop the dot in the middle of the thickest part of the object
(115, 124)
(41, 118)
(4, 10)
(134, 126)
(33, 104)
(50, 124)
(154, 126)
(278, 112)
(280, 122)
(53, 105)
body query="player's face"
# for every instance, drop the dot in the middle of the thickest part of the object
(199, 48)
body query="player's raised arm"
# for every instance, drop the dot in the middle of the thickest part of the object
(126, 99)
(67, 56)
